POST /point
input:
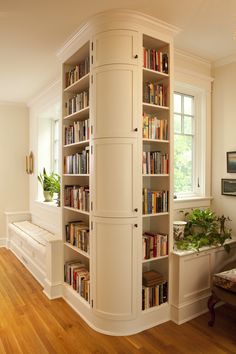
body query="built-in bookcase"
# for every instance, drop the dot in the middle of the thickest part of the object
(155, 172)
(76, 174)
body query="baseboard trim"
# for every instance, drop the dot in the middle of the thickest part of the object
(3, 242)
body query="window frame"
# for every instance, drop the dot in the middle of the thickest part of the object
(199, 149)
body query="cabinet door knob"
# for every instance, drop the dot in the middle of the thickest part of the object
(136, 56)
(136, 209)
(135, 129)
(135, 225)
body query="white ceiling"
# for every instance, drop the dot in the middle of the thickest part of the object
(32, 32)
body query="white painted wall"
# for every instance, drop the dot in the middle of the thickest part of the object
(223, 136)
(14, 140)
(41, 108)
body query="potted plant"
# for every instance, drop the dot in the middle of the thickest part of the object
(50, 184)
(204, 228)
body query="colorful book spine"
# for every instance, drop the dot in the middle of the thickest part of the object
(77, 163)
(155, 201)
(154, 128)
(77, 72)
(77, 197)
(157, 60)
(154, 295)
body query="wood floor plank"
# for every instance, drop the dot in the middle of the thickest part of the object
(32, 324)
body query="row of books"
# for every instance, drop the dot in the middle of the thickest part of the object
(154, 128)
(77, 102)
(76, 132)
(155, 162)
(155, 59)
(155, 93)
(154, 245)
(77, 276)
(77, 197)
(154, 296)
(155, 201)
(77, 163)
(77, 234)
(77, 72)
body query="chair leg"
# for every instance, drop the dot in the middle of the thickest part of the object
(213, 299)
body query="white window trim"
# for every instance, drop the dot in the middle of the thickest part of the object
(200, 197)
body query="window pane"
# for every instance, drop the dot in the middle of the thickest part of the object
(188, 125)
(183, 164)
(188, 105)
(177, 103)
(177, 123)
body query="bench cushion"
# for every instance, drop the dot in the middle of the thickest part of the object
(226, 280)
(36, 232)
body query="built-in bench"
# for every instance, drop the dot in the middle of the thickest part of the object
(38, 249)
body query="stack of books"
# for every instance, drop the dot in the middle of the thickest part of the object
(155, 289)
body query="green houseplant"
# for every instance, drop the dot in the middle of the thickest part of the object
(50, 184)
(204, 228)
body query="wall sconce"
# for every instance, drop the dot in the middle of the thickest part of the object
(29, 163)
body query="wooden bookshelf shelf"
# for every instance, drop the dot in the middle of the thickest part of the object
(76, 249)
(155, 141)
(153, 215)
(150, 75)
(79, 85)
(77, 210)
(80, 115)
(154, 259)
(77, 144)
(155, 175)
(74, 293)
(153, 108)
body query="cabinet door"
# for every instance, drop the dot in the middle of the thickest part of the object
(115, 101)
(115, 267)
(115, 46)
(114, 174)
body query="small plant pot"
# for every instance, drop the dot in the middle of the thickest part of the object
(47, 196)
(179, 227)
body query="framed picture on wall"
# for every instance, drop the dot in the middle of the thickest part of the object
(228, 186)
(231, 161)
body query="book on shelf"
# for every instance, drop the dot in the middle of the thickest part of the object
(155, 201)
(77, 276)
(76, 196)
(76, 72)
(156, 60)
(155, 93)
(152, 277)
(77, 132)
(155, 162)
(154, 128)
(77, 102)
(154, 245)
(77, 163)
(77, 234)
(154, 295)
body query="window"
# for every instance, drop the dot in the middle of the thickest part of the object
(55, 145)
(189, 143)
(184, 142)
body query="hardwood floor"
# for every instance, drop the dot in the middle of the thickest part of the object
(32, 324)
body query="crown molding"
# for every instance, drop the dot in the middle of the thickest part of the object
(225, 61)
(111, 17)
(193, 57)
(45, 92)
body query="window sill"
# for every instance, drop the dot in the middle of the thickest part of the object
(50, 205)
(192, 202)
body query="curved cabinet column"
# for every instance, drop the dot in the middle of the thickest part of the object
(115, 267)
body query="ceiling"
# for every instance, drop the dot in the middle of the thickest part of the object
(32, 32)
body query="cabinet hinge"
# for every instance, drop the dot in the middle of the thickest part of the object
(92, 45)
(91, 130)
(91, 206)
(92, 59)
(92, 149)
(91, 79)
(91, 225)
(92, 303)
